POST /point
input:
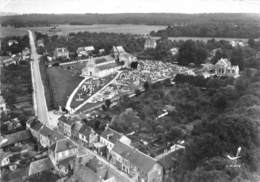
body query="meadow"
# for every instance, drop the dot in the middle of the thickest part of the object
(66, 29)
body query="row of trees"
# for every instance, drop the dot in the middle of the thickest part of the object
(229, 30)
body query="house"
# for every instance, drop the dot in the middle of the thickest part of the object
(236, 43)
(224, 68)
(61, 53)
(65, 125)
(174, 51)
(62, 153)
(40, 43)
(26, 54)
(8, 61)
(49, 137)
(117, 50)
(2, 104)
(136, 164)
(34, 126)
(88, 136)
(85, 51)
(12, 42)
(150, 43)
(109, 137)
(101, 51)
(100, 66)
(170, 163)
(13, 138)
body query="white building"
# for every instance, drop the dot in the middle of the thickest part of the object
(61, 53)
(174, 51)
(100, 66)
(150, 44)
(224, 68)
(85, 51)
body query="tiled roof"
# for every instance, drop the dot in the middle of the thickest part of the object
(107, 66)
(40, 165)
(168, 161)
(68, 120)
(113, 135)
(137, 158)
(63, 145)
(53, 135)
(16, 137)
(103, 59)
(84, 174)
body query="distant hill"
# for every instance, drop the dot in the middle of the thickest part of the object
(128, 18)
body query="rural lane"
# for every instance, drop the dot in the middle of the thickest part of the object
(40, 106)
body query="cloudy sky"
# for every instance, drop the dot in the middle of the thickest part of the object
(129, 6)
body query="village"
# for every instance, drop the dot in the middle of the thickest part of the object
(71, 149)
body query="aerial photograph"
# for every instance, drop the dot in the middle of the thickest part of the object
(130, 91)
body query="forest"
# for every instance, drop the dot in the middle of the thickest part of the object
(221, 29)
(128, 18)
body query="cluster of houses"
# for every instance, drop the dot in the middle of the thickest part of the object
(222, 68)
(115, 147)
(14, 59)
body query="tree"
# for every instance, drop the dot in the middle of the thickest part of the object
(108, 103)
(146, 86)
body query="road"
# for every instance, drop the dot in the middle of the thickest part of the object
(40, 106)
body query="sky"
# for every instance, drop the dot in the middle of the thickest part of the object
(130, 6)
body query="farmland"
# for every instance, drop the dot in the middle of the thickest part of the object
(65, 29)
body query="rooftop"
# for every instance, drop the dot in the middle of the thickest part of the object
(67, 120)
(107, 66)
(85, 130)
(63, 145)
(103, 59)
(40, 166)
(47, 132)
(112, 135)
(137, 158)
(16, 137)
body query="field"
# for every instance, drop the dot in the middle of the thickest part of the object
(65, 29)
(61, 84)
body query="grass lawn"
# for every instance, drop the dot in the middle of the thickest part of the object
(61, 83)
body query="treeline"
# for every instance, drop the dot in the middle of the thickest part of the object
(127, 18)
(229, 30)
(23, 23)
